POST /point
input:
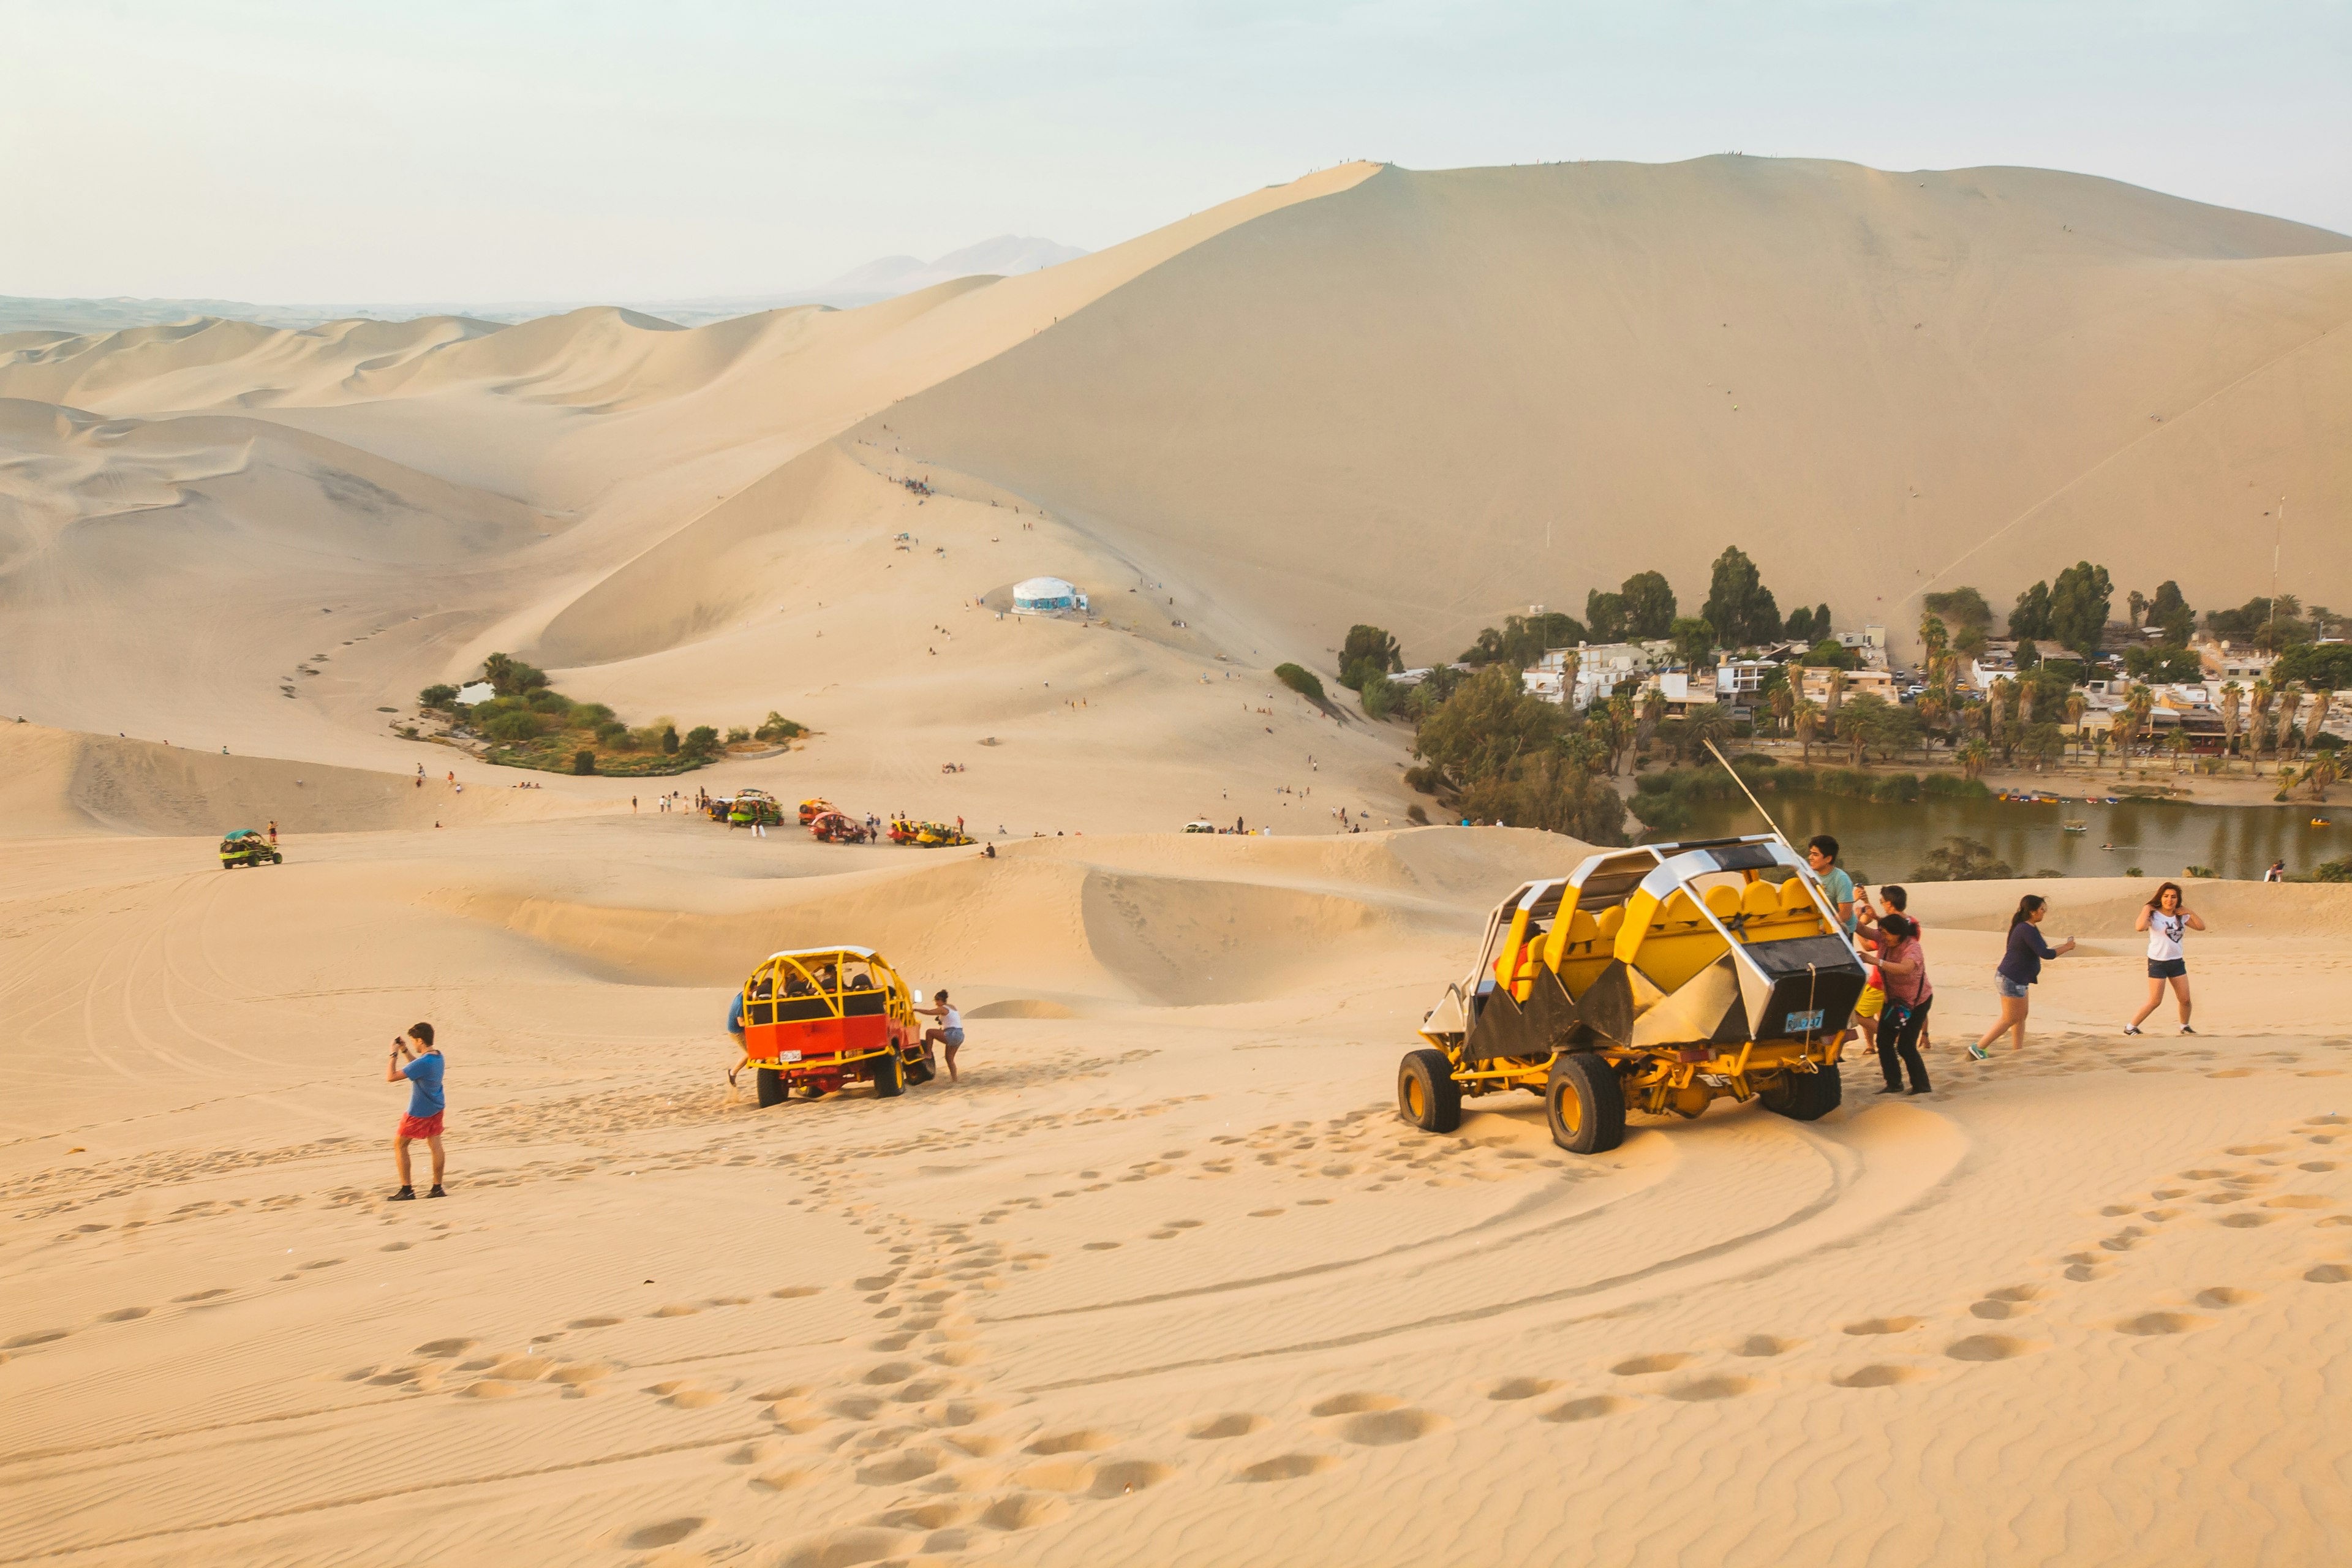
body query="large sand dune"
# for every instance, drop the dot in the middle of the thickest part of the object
(1162, 1280)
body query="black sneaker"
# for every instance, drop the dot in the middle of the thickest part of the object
(404, 1195)
(1890, 1088)
(436, 1192)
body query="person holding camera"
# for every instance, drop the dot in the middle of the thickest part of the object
(421, 1067)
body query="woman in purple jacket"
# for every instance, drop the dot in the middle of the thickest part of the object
(2020, 967)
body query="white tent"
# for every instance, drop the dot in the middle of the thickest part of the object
(1045, 597)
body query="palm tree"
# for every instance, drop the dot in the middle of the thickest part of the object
(1784, 703)
(1998, 697)
(2290, 701)
(2322, 697)
(1931, 712)
(2027, 691)
(2233, 697)
(2077, 705)
(2178, 745)
(2322, 772)
(2119, 731)
(1806, 717)
(1837, 691)
(2259, 722)
(2099, 740)
(1973, 757)
(1853, 728)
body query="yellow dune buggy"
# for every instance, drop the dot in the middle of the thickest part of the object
(1658, 978)
(816, 1018)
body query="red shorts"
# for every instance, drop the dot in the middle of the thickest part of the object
(421, 1126)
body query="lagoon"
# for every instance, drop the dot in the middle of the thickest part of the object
(1884, 843)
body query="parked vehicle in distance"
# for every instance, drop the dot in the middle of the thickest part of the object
(248, 848)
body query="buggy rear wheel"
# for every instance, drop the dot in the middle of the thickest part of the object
(1427, 1095)
(1805, 1096)
(890, 1075)
(1584, 1104)
(771, 1086)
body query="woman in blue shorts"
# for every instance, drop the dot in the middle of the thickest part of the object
(2166, 918)
(2020, 967)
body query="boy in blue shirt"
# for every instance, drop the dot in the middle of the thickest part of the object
(421, 1068)
(1821, 854)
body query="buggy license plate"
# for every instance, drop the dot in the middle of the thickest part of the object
(1803, 1023)
(796, 1055)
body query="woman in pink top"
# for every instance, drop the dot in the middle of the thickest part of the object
(1908, 997)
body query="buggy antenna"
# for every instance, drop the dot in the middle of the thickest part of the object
(1751, 795)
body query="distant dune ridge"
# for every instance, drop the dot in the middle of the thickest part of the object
(1419, 399)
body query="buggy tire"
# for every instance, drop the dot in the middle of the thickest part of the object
(1427, 1095)
(1584, 1104)
(1805, 1096)
(771, 1086)
(923, 1068)
(890, 1075)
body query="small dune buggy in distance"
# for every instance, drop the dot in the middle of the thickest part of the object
(837, 827)
(1658, 978)
(247, 847)
(928, 834)
(814, 807)
(817, 1019)
(754, 807)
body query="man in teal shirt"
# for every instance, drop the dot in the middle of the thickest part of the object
(1822, 855)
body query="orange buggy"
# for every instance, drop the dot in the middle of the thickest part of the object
(820, 1018)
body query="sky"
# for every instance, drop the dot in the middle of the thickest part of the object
(586, 150)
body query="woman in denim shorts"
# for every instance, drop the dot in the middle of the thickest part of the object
(2020, 967)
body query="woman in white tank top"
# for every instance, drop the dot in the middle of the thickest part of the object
(2166, 920)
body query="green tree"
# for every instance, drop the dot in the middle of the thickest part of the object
(2170, 611)
(2161, 664)
(1649, 606)
(1821, 627)
(584, 762)
(1378, 694)
(1302, 680)
(1523, 640)
(701, 742)
(1738, 606)
(2080, 601)
(437, 696)
(1488, 723)
(669, 742)
(1369, 650)
(2028, 655)
(1798, 626)
(2029, 618)
(776, 727)
(1694, 638)
(1604, 615)
(512, 677)
(1830, 654)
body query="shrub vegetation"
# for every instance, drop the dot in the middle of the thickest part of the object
(530, 724)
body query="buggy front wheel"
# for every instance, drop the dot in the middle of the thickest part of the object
(771, 1086)
(1584, 1104)
(1427, 1095)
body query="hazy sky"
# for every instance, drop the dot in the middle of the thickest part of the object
(566, 149)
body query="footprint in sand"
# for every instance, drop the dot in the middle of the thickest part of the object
(2225, 1296)
(1233, 1424)
(1082, 1440)
(2162, 1323)
(2249, 1149)
(2328, 1274)
(2247, 1221)
(395, 1247)
(1024, 1510)
(1881, 1375)
(1381, 1428)
(1760, 1345)
(1521, 1388)
(211, 1294)
(124, 1314)
(1989, 1347)
(2298, 1200)
(591, 1323)
(1123, 1477)
(1287, 1468)
(1645, 1365)
(675, 1310)
(2009, 1302)
(668, 1532)
(792, 1292)
(1589, 1407)
(1882, 1326)
(906, 1465)
(1722, 1386)
(441, 1350)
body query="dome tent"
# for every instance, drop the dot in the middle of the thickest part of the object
(1045, 597)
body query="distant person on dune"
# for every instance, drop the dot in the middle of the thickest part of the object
(421, 1067)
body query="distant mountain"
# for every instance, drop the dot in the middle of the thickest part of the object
(895, 275)
(886, 279)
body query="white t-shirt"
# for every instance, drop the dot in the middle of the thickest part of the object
(2164, 936)
(954, 1020)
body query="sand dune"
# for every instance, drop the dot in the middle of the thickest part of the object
(1162, 1268)
(1162, 1279)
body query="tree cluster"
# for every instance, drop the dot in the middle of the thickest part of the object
(1368, 651)
(2071, 610)
(1523, 640)
(1493, 753)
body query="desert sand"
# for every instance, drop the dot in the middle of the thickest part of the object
(1162, 1280)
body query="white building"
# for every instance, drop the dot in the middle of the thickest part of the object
(1601, 669)
(1047, 596)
